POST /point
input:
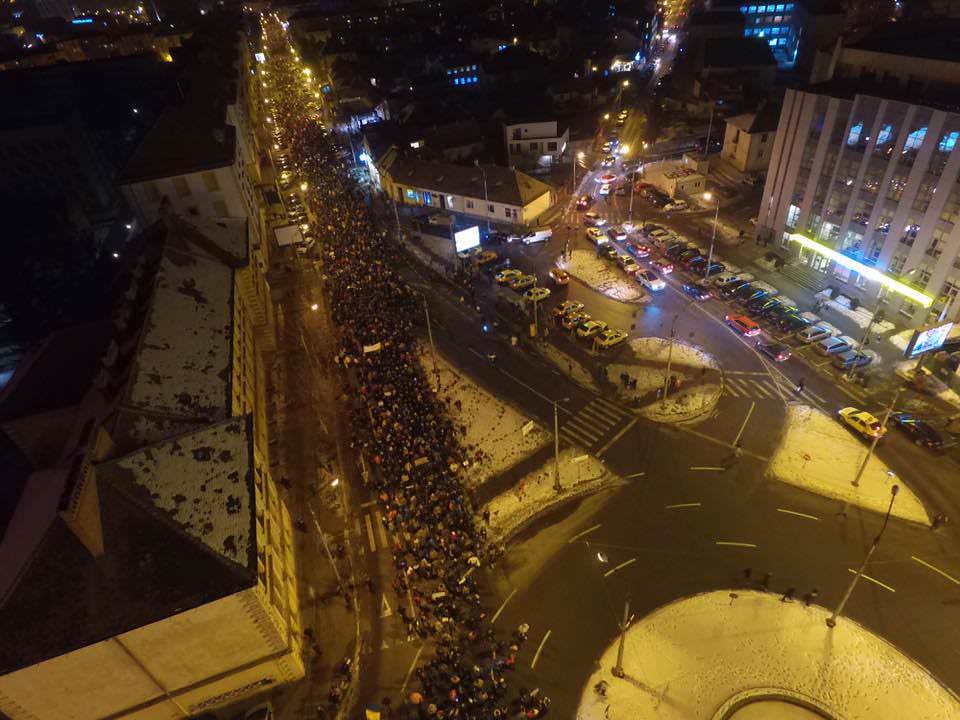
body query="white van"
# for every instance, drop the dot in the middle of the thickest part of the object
(534, 236)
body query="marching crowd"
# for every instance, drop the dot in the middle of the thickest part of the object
(402, 428)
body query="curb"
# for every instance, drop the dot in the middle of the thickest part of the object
(792, 697)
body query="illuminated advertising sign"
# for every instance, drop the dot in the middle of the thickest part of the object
(927, 340)
(466, 239)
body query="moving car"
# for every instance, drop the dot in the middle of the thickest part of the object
(696, 291)
(594, 219)
(573, 320)
(608, 162)
(486, 257)
(522, 282)
(814, 333)
(834, 345)
(604, 189)
(778, 352)
(917, 430)
(596, 236)
(743, 325)
(610, 338)
(584, 202)
(627, 264)
(591, 328)
(851, 358)
(617, 233)
(560, 277)
(506, 275)
(662, 266)
(535, 236)
(676, 205)
(567, 307)
(536, 294)
(650, 280)
(862, 422)
(637, 250)
(658, 233)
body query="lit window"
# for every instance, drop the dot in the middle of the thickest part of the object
(772, 41)
(779, 8)
(743, 9)
(753, 8)
(854, 137)
(886, 132)
(948, 142)
(793, 215)
(915, 139)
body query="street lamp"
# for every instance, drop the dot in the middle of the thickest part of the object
(303, 186)
(556, 444)
(606, 116)
(708, 197)
(578, 158)
(832, 620)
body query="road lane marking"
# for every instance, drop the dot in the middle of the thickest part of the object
(753, 404)
(502, 606)
(384, 541)
(616, 437)
(798, 514)
(533, 663)
(370, 538)
(540, 395)
(936, 570)
(410, 670)
(744, 372)
(677, 506)
(698, 467)
(622, 565)
(729, 543)
(475, 352)
(582, 533)
(634, 475)
(871, 579)
(715, 441)
(368, 503)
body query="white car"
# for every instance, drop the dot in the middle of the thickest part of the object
(617, 233)
(650, 280)
(594, 219)
(676, 205)
(627, 264)
(605, 189)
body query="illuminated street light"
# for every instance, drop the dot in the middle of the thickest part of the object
(580, 155)
(315, 307)
(307, 72)
(626, 83)
(624, 149)
(303, 186)
(606, 116)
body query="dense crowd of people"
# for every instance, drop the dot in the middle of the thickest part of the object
(401, 427)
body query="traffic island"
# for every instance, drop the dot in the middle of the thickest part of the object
(734, 655)
(817, 453)
(604, 276)
(693, 383)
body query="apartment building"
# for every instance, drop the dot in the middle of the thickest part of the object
(868, 164)
(146, 556)
(535, 142)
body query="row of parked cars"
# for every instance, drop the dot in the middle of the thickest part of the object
(571, 315)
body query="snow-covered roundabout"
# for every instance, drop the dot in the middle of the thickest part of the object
(744, 655)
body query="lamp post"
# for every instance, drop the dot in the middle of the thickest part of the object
(666, 377)
(556, 443)
(579, 157)
(876, 439)
(707, 196)
(617, 670)
(832, 620)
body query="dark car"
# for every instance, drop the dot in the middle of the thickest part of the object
(917, 430)
(688, 254)
(791, 323)
(584, 202)
(773, 314)
(696, 291)
(676, 249)
(777, 352)
(745, 295)
(495, 238)
(756, 305)
(731, 288)
(692, 261)
(608, 251)
(715, 268)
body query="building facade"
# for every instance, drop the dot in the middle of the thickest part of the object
(540, 142)
(748, 139)
(875, 178)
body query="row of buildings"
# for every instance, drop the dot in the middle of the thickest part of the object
(147, 563)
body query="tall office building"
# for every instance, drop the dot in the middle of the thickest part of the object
(868, 164)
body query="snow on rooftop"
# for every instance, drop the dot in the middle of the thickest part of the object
(202, 481)
(183, 363)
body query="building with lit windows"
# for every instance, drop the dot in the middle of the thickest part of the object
(868, 164)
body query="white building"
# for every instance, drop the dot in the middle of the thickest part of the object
(541, 142)
(868, 164)
(748, 139)
(486, 192)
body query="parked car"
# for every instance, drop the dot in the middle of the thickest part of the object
(743, 325)
(504, 276)
(676, 205)
(756, 290)
(774, 312)
(627, 264)
(522, 282)
(573, 320)
(834, 345)
(617, 233)
(591, 328)
(920, 432)
(851, 358)
(776, 351)
(814, 333)
(594, 219)
(638, 250)
(862, 422)
(696, 291)
(608, 251)
(596, 236)
(730, 289)
(791, 323)
(650, 280)
(567, 307)
(560, 277)
(534, 236)
(610, 338)
(663, 267)
(536, 294)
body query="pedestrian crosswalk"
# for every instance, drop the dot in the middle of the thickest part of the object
(592, 423)
(764, 388)
(371, 533)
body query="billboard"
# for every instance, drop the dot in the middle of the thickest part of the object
(466, 239)
(928, 339)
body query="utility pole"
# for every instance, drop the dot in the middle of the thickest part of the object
(433, 349)
(864, 340)
(618, 668)
(713, 239)
(666, 377)
(876, 439)
(556, 447)
(326, 547)
(832, 620)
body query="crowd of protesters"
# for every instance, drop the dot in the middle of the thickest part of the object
(400, 426)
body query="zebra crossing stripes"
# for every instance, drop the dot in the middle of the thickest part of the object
(763, 388)
(372, 530)
(592, 423)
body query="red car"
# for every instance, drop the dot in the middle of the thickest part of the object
(663, 266)
(743, 325)
(584, 202)
(637, 250)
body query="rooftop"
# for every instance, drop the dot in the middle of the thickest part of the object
(503, 185)
(764, 120)
(178, 532)
(940, 40)
(183, 365)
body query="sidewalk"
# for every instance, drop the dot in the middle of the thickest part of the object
(715, 654)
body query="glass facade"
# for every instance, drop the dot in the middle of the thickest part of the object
(777, 25)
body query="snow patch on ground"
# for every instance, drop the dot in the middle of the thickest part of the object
(493, 427)
(579, 474)
(687, 659)
(861, 316)
(901, 339)
(819, 454)
(927, 382)
(603, 276)
(569, 366)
